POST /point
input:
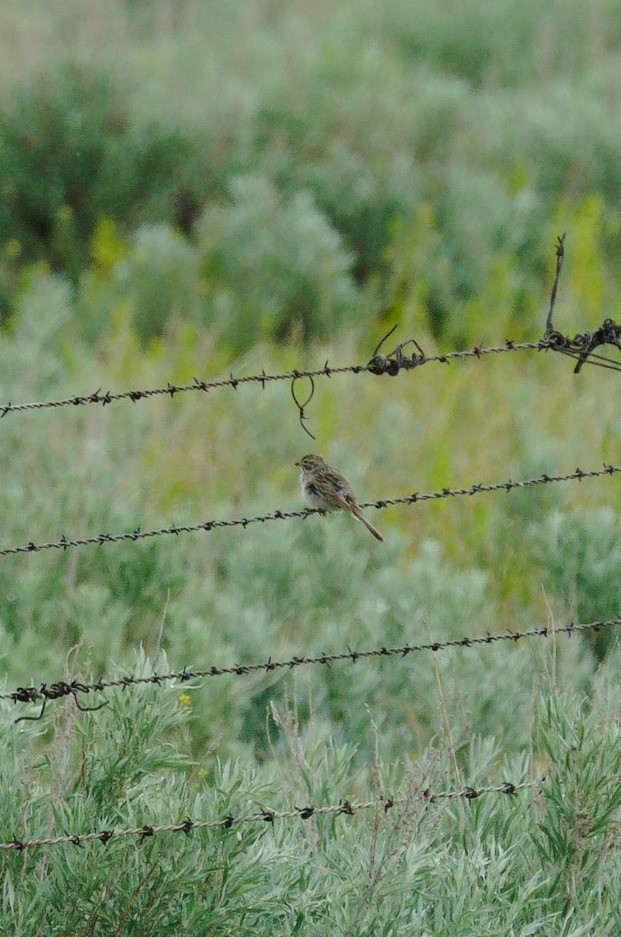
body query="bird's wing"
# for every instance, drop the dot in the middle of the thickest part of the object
(340, 484)
(344, 502)
(345, 497)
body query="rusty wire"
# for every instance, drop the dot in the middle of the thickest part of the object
(344, 808)
(175, 529)
(62, 688)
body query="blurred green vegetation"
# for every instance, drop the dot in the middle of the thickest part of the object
(446, 569)
(190, 188)
(402, 161)
(544, 858)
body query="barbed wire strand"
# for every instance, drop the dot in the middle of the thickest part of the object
(344, 808)
(418, 497)
(171, 390)
(372, 367)
(581, 347)
(61, 688)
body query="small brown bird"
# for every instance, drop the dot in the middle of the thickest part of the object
(326, 488)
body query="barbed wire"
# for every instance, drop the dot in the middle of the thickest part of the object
(344, 808)
(175, 529)
(378, 365)
(75, 688)
(581, 347)
(171, 390)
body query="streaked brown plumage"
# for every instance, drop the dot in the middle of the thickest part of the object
(328, 489)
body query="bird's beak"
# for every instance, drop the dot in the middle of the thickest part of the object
(298, 464)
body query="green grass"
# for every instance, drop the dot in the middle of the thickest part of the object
(500, 864)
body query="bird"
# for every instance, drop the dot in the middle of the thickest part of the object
(327, 489)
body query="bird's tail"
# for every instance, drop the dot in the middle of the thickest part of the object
(368, 525)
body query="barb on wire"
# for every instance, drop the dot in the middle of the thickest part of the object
(582, 346)
(346, 808)
(396, 360)
(175, 529)
(33, 694)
